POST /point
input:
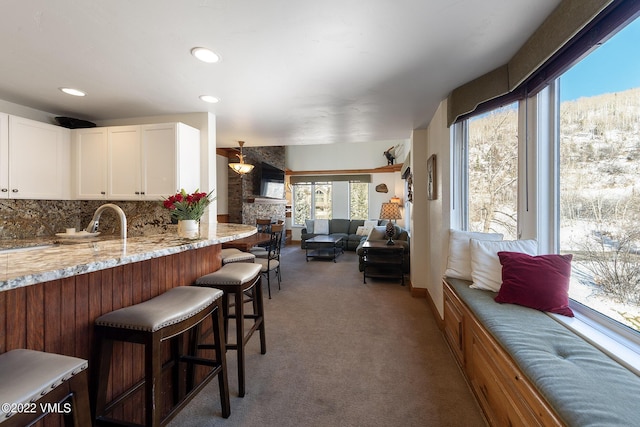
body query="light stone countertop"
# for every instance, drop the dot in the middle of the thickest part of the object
(28, 267)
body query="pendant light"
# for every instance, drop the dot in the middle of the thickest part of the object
(241, 167)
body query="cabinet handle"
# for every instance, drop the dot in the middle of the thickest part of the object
(137, 192)
(15, 190)
(142, 192)
(5, 190)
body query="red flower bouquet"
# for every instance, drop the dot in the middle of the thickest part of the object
(188, 206)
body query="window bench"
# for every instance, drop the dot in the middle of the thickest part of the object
(527, 369)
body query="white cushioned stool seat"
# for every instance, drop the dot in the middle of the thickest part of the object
(231, 274)
(28, 375)
(171, 307)
(230, 255)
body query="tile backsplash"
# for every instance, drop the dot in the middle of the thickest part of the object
(26, 219)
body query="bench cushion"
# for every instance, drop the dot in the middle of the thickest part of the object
(584, 385)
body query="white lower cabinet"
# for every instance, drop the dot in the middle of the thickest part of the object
(142, 162)
(34, 160)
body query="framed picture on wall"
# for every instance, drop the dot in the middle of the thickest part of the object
(432, 188)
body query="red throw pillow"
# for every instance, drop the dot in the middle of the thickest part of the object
(540, 282)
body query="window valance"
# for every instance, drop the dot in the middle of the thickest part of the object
(550, 41)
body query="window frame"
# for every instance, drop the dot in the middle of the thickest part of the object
(313, 199)
(351, 183)
(538, 211)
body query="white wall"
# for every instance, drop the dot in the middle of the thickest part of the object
(27, 113)
(343, 156)
(440, 212)
(222, 184)
(420, 257)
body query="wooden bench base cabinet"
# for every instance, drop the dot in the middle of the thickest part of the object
(506, 397)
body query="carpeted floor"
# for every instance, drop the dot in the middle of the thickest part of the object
(342, 353)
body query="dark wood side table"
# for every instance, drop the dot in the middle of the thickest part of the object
(382, 260)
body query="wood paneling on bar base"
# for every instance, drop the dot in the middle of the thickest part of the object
(58, 316)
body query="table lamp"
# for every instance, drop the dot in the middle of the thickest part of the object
(390, 211)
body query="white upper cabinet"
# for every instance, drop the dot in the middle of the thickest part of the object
(170, 159)
(124, 160)
(39, 158)
(90, 160)
(142, 162)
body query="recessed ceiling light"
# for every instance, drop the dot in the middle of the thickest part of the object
(72, 91)
(210, 99)
(205, 55)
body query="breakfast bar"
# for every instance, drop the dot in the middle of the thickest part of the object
(50, 295)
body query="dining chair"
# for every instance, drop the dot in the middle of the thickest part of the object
(272, 261)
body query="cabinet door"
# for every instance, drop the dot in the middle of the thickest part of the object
(159, 161)
(4, 156)
(90, 163)
(124, 163)
(170, 159)
(188, 158)
(453, 325)
(39, 160)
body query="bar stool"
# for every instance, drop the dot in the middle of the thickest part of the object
(239, 279)
(230, 255)
(34, 384)
(150, 323)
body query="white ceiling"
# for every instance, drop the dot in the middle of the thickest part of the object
(292, 71)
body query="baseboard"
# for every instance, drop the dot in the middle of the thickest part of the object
(417, 292)
(423, 293)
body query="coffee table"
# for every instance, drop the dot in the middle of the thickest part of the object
(324, 247)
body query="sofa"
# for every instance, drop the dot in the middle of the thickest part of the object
(345, 228)
(400, 237)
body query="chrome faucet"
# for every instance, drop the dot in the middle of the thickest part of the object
(93, 225)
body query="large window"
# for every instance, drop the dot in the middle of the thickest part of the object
(358, 200)
(311, 201)
(492, 147)
(582, 168)
(342, 198)
(599, 153)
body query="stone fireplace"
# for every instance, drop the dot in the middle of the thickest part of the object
(245, 204)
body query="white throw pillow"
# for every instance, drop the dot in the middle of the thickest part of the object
(370, 223)
(362, 231)
(309, 225)
(378, 233)
(486, 270)
(459, 260)
(321, 226)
